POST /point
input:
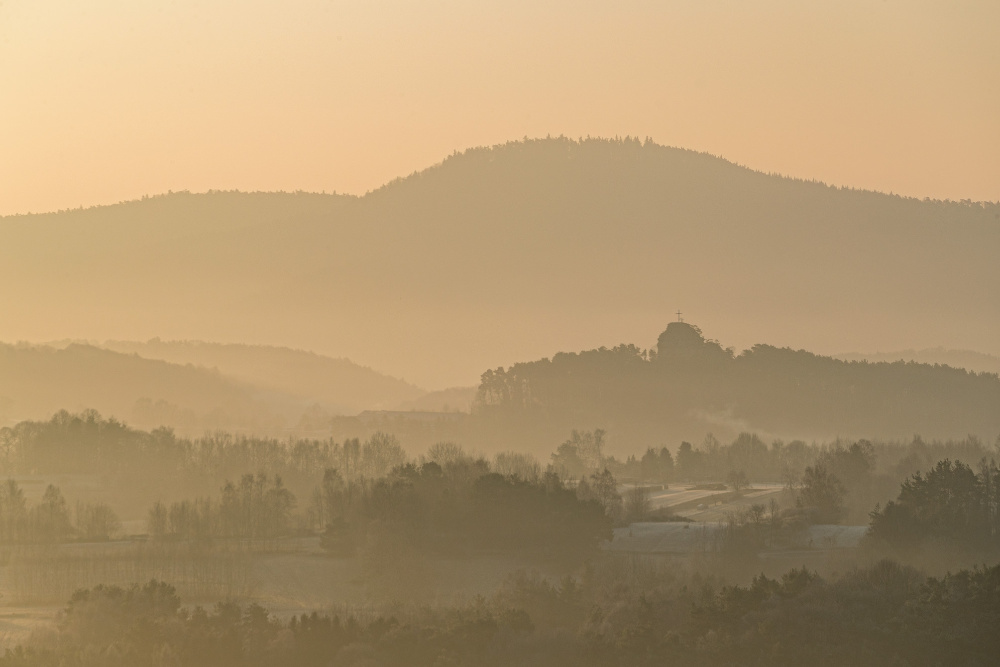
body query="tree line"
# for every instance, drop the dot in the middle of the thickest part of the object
(834, 482)
(256, 507)
(450, 504)
(50, 520)
(839, 481)
(619, 614)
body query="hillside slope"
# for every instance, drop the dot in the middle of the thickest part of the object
(513, 252)
(338, 384)
(37, 381)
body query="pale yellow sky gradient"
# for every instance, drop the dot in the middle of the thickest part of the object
(107, 100)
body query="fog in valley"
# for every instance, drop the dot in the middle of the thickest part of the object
(527, 335)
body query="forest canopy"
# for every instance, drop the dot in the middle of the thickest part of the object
(688, 384)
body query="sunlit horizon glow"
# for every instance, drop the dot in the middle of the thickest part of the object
(108, 101)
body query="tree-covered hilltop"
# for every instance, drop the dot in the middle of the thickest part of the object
(515, 247)
(689, 384)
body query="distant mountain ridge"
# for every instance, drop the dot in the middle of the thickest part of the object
(512, 252)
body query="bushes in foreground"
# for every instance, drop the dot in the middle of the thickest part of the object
(883, 614)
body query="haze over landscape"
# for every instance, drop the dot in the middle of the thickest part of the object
(499, 334)
(508, 253)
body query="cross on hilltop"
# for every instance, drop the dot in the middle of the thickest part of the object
(679, 318)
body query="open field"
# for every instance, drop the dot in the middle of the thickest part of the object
(685, 500)
(716, 508)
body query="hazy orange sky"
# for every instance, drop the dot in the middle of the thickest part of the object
(106, 100)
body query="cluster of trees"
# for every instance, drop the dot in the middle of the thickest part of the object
(447, 503)
(620, 614)
(656, 465)
(856, 462)
(747, 456)
(747, 453)
(254, 508)
(49, 520)
(602, 487)
(949, 515)
(689, 382)
(459, 504)
(87, 443)
(600, 484)
(951, 507)
(132, 461)
(582, 454)
(751, 528)
(838, 471)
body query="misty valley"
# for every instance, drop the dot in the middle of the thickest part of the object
(681, 504)
(499, 334)
(579, 402)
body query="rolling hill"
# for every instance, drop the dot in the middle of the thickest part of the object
(689, 386)
(339, 385)
(37, 381)
(190, 386)
(513, 252)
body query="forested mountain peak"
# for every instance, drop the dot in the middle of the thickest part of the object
(516, 247)
(593, 167)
